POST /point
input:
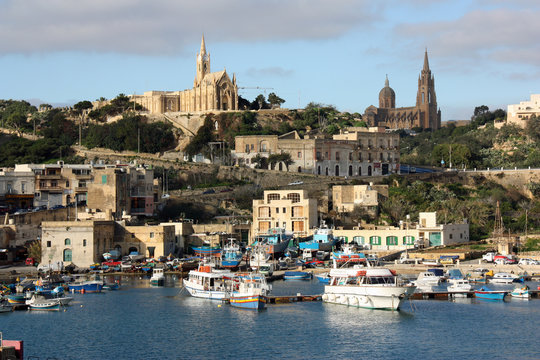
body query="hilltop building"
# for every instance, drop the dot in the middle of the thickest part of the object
(424, 114)
(519, 113)
(211, 91)
(356, 151)
(345, 198)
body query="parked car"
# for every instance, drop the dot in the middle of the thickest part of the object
(209, 191)
(56, 207)
(526, 261)
(488, 257)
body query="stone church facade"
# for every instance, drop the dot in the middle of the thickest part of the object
(211, 91)
(425, 114)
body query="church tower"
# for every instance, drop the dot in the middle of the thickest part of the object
(426, 100)
(203, 64)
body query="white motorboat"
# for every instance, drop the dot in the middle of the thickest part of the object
(209, 283)
(40, 298)
(502, 278)
(372, 288)
(521, 293)
(158, 277)
(427, 279)
(459, 287)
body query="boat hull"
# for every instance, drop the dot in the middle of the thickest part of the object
(323, 278)
(205, 294)
(249, 302)
(490, 295)
(16, 299)
(231, 263)
(49, 306)
(86, 288)
(157, 282)
(207, 251)
(368, 296)
(296, 275)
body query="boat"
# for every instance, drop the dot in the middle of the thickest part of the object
(112, 255)
(454, 274)
(297, 275)
(209, 283)
(158, 277)
(5, 308)
(459, 287)
(40, 297)
(260, 261)
(427, 278)
(432, 262)
(49, 305)
(17, 299)
(135, 256)
(486, 293)
(232, 255)
(206, 250)
(86, 284)
(521, 293)
(249, 291)
(372, 288)
(503, 278)
(322, 240)
(323, 278)
(275, 241)
(349, 254)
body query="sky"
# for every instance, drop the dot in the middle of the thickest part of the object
(336, 52)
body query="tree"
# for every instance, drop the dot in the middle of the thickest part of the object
(34, 251)
(260, 102)
(274, 100)
(81, 106)
(17, 122)
(533, 128)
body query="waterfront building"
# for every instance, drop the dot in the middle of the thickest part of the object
(83, 243)
(211, 91)
(345, 198)
(290, 210)
(425, 233)
(17, 188)
(519, 113)
(353, 152)
(424, 114)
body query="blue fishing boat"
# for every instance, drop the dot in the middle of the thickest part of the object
(348, 254)
(249, 291)
(231, 255)
(322, 240)
(486, 293)
(323, 278)
(275, 241)
(206, 250)
(297, 275)
(17, 299)
(85, 284)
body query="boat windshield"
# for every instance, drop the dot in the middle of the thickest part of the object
(380, 280)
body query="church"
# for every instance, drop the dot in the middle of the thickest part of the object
(211, 91)
(424, 115)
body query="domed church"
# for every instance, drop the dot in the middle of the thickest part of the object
(425, 114)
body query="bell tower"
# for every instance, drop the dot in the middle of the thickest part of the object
(203, 63)
(426, 100)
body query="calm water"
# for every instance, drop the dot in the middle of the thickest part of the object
(142, 322)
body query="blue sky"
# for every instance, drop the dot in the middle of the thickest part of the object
(329, 51)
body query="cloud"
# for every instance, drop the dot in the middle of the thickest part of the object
(503, 35)
(167, 26)
(276, 71)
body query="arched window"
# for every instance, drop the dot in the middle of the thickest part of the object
(319, 170)
(326, 171)
(391, 240)
(299, 169)
(67, 255)
(67, 242)
(359, 171)
(294, 197)
(369, 170)
(337, 170)
(271, 197)
(350, 170)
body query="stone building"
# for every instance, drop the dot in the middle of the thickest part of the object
(346, 197)
(290, 210)
(519, 113)
(353, 152)
(425, 233)
(424, 114)
(17, 188)
(211, 91)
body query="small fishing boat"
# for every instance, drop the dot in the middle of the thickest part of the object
(274, 242)
(232, 255)
(206, 250)
(112, 255)
(40, 297)
(503, 278)
(322, 240)
(158, 277)
(17, 299)
(459, 287)
(486, 293)
(521, 293)
(427, 278)
(297, 275)
(323, 278)
(349, 254)
(249, 291)
(86, 284)
(45, 305)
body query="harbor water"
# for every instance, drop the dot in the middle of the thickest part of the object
(143, 322)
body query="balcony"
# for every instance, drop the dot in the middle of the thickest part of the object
(49, 177)
(83, 177)
(81, 189)
(49, 188)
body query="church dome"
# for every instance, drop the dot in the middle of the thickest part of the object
(387, 96)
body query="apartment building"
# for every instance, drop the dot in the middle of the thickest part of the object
(346, 197)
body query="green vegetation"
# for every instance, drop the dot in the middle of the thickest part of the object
(117, 106)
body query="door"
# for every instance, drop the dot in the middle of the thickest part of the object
(434, 239)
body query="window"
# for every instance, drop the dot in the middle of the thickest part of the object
(67, 184)
(391, 240)
(252, 147)
(67, 242)
(84, 242)
(337, 155)
(294, 197)
(271, 197)
(326, 155)
(375, 240)
(408, 240)
(359, 240)
(103, 179)
(247, 148)
(23, 187)
(277, 210)
(67, 255)
(48, 244)
(284, 210)
(299, 154)
(450, 236)
(151, 235)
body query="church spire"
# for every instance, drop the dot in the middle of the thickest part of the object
(203, 46)
(426, 62)
(386, 82)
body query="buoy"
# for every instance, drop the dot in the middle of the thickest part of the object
(219, 305)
